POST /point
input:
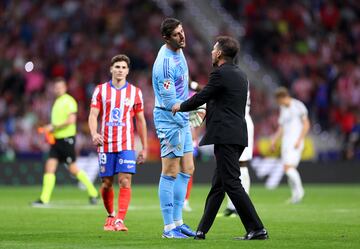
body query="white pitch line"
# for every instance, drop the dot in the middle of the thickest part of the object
(70, 205)
(344, 210)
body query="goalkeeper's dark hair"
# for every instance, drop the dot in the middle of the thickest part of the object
(168, 26)
(229, 47)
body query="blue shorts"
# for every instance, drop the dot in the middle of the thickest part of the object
(175, 141)
(117, 162)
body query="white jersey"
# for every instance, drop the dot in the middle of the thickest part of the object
(247, 107)
(248, 151)
(291, 119)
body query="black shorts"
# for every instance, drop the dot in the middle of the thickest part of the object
(63, 150)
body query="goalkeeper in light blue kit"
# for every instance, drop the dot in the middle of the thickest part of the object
(170, 83)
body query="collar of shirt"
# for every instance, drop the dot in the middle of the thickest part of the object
(124, 86)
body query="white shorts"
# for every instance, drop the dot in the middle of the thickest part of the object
(247, 154)
(291, 156)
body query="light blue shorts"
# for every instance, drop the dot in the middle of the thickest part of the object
(175, 141)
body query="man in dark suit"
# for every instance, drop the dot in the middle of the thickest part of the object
(225, 95)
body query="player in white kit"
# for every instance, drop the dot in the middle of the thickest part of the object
(293, 126)
(244, 160)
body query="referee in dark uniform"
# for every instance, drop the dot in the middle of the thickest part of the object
(225, 95)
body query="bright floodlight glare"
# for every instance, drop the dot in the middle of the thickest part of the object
(29, 66)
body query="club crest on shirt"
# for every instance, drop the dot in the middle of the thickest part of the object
(167, 84)
(178, 147)
(127, 102)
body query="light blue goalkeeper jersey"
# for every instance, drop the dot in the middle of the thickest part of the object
(170, 77)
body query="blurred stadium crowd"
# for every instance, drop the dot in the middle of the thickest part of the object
(314, 48)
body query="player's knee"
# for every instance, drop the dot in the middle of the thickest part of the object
(170, 169)
(172, 174)
(125, 181)
(189, 169)
(50, 170)
(50, 166)
(107, 183)
(125, 184)
(287, 167)
(73, 169)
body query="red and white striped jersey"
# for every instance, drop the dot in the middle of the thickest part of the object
(117, 109)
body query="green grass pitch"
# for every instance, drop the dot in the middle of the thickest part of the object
(328, 218)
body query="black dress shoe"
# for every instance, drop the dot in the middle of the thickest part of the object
(255, 235)
(199, 235)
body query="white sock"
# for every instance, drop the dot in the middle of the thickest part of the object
(230, 205)
(169, 227)
(295, 183)
(178, 222)
(245, 179)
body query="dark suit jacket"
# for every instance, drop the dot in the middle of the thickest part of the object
(225, 96)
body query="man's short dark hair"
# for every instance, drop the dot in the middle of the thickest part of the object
(281, 92)
(120, 57)
(228, 46)
(168, 26)
(59, 79)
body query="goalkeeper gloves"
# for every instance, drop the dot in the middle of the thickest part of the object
(196, 116)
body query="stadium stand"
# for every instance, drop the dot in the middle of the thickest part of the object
(76, 39)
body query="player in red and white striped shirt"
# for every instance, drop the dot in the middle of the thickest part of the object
(117, 102)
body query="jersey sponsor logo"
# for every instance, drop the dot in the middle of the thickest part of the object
(115, 114)
(115, 117)
(115, 124)
(130, 166)
(126, 161)
(167, 84)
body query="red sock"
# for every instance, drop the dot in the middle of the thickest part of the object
(189, 187)
(123, 202)
(108, 199)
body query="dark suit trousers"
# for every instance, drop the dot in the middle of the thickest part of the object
(226, 180)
